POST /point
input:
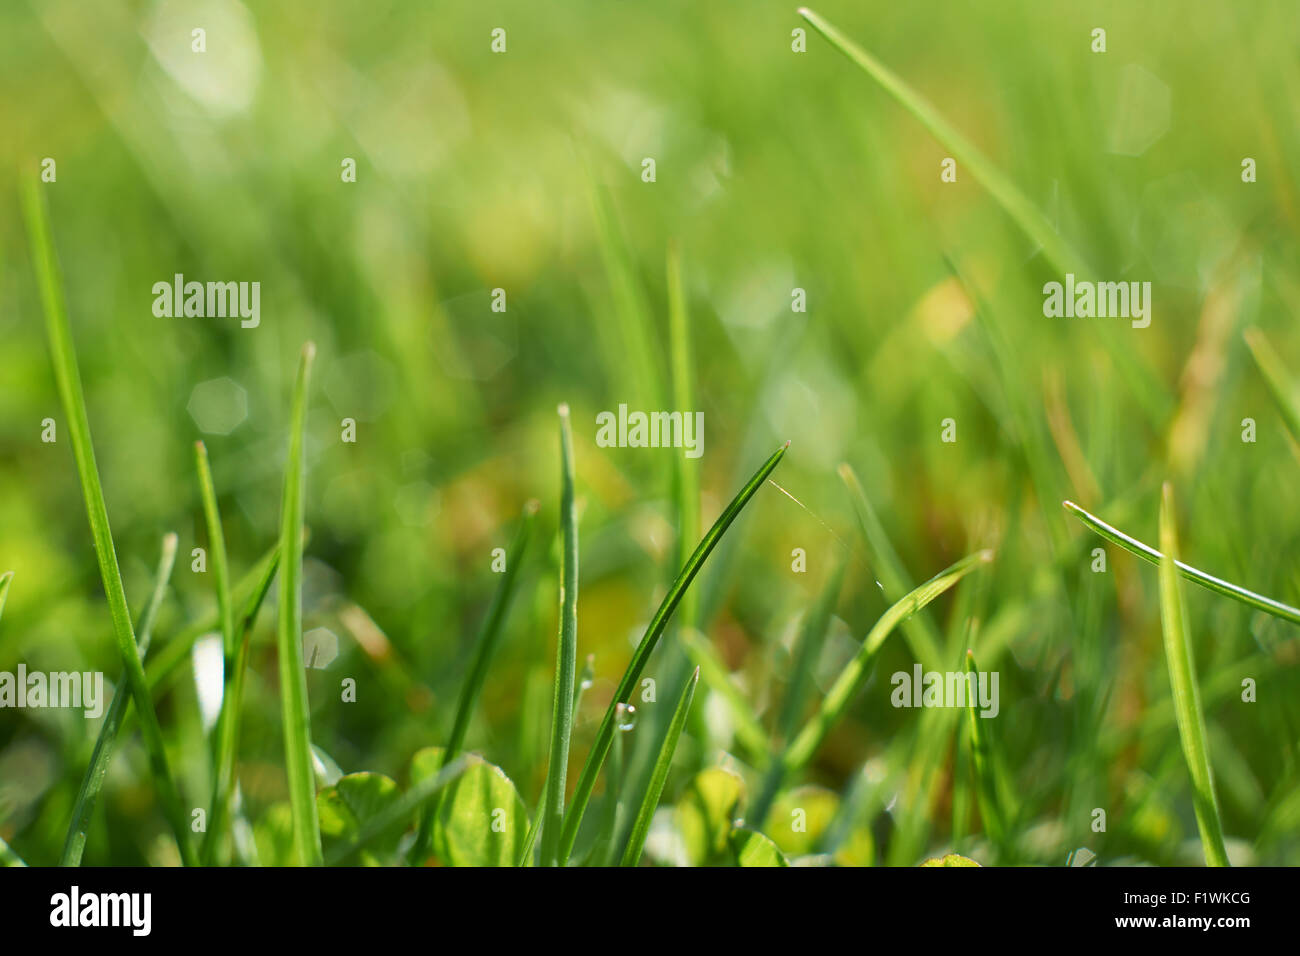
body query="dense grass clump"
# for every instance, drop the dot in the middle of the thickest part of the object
(401, 615)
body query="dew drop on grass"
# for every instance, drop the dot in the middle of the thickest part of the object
(625, 717)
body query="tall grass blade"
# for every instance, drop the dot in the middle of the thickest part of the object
(566, 653)
(5, 580)
(68, 379)
(223, 749)
(484, 650)
(1186, 691)
(646, 812)
(811, 736)
(91, 785)
(600, 747)
(1208, 581)
(295, 713)
(1060, 254)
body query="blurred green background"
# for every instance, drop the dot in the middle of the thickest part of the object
(775, 170)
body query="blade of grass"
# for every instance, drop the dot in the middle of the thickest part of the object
(1186, 691)
(1060, 254)
(1208, 581)
(1275, 376)
(801, 750)
(91, 785)
(224, 786)
(484, 650)
(68, 379)
(686, 474)
(566, 654)
(584, 681)
(403, 808)
(646, 812)
(223, 743)
(295, 712)
(587, 780)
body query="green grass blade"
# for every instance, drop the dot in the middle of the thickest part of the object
(604, 736)
(566, 653)
(1208, 581)
(68, 379)
(853, 676)
(982, 758)
(812, 636)
(686, 472)
(407, 805)
(530, 840)
(1060, 254)
(223, 750)
(484, 650)
(91, 785)
(646, 812)
(1275, 376)
(749, 731)
(1186, 691)
(922, 636)
(293, 679)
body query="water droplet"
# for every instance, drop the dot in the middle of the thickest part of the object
(625, 716)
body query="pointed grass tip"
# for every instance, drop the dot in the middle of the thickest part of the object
(309, 350)
(532, 506)
(563, 409)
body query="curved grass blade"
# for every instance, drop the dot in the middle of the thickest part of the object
(293, 679)
(649, 802)
(846, 686)
(1275, 375)
(484, 649)
(91, 785)
(403, 808)
(1208, 581)
(566, 653)
(1186, 691)
(604, 736)
(68, 380)
(1060, 254)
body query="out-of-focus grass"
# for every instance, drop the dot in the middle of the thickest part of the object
(776, 170)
